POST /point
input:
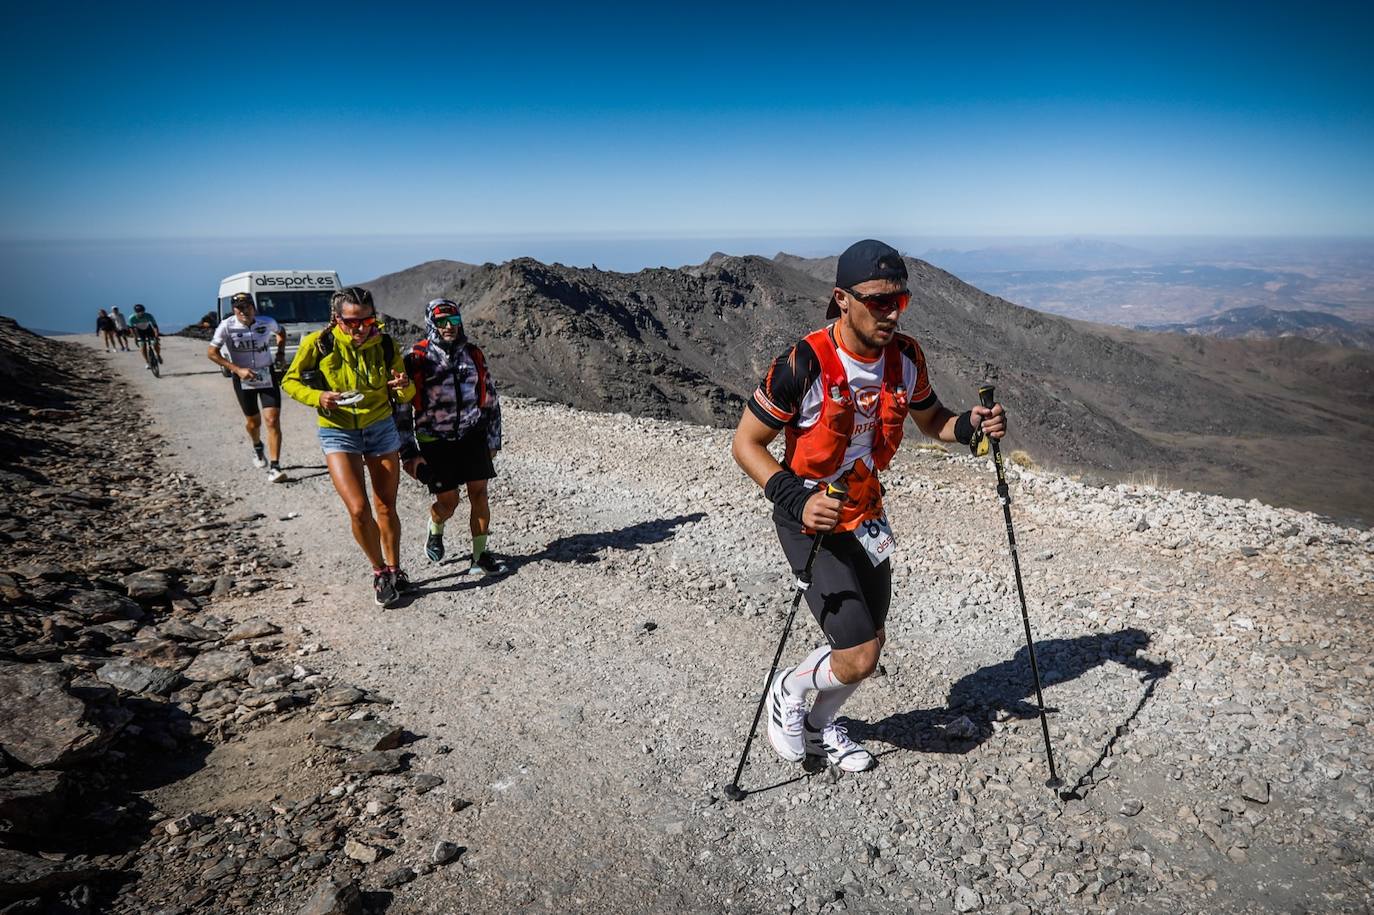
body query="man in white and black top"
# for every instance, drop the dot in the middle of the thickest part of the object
(242, 346)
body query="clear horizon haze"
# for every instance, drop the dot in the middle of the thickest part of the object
(151, 150)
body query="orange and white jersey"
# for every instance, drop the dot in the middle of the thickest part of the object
(791, 393)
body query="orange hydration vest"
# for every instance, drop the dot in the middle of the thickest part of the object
(818, 451)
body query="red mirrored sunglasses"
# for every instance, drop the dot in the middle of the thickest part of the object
(355, 323)
(883, 302)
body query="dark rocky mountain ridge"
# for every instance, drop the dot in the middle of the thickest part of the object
(1263, 419)
(1259, 322)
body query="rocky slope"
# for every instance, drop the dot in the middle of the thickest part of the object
(1207, 661)
(1235, 417)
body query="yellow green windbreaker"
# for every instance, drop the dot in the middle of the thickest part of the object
(348, 368)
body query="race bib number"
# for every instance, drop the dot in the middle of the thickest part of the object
(876, 536)
(262, 378)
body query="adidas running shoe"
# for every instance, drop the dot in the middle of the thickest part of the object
(487, 564)
(434, 547)
(785, 718)
(276, 475)
(832, 744)
(385, 588)
(401, 581)
(259, 459)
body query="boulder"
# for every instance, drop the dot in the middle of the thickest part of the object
(147, 585)
(362, 736)
(216, 666)
(255, 628)
(23, 876)
(272, 675)
(334, 897)
(41, 723)
(100, 606)
(33, 803)
(133, 677)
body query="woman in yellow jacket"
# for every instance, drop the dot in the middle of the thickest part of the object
(342, 372)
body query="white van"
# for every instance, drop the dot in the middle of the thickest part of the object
(297, 299)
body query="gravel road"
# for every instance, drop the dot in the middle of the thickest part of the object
(1208, 661)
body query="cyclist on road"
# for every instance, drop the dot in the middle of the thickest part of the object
(241, 346)
(146, 332)
(457, 430)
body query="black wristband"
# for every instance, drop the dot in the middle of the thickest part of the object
(963, 427)
(787, 491)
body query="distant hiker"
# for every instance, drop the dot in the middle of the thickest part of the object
(241, 346)
(841, 395)
(121, 324)
(146, 332)
(350, 372)
(105, 328)
(457, 429)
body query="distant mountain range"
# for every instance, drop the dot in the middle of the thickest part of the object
(1272, 419)
(1259, 322)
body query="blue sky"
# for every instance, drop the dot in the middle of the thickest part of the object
(149, 121)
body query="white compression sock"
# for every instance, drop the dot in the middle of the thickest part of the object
(812, 673)
(828, 703)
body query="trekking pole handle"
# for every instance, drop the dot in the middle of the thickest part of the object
(985, 396)
(837, 490)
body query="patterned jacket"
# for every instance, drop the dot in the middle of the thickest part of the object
(454, 392)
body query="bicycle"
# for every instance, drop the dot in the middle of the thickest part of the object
(146, 344)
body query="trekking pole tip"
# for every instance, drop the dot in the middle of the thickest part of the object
(735, 792)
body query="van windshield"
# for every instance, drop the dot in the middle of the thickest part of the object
(302, 306)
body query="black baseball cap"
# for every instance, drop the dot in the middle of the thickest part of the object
(866, 260)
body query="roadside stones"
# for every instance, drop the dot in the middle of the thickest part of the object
(184, 824)
(216, 666)
(424, 782)
(340, 696)
(334, 897)
(1252, 789)
(962, 728)
(1131, 806)
(377, 762)
(32, 803)
(254, 628)
(133, 677)
(360, 851)
(271, 675)
(41, 723)
(444, 852)
(100, 606)
(400, 876)
(967, 900)
(360, 736)
(149, 584)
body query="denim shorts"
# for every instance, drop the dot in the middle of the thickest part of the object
(371, 441)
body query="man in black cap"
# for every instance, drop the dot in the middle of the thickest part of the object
(841, 396)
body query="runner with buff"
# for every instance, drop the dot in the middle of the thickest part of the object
(457, 430)
(841, 396)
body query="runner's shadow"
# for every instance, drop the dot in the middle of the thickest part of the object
(1006, 690)
(431, 585)
(582, 548)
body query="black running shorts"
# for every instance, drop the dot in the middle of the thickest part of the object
(453, 463)
(249, 398)
(848, 596)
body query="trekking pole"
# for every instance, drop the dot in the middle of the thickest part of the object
(733, 791)
(1004, 496)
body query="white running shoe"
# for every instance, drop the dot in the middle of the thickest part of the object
(259, 460)
(276, 475)
(785, 717)
(832, 742)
